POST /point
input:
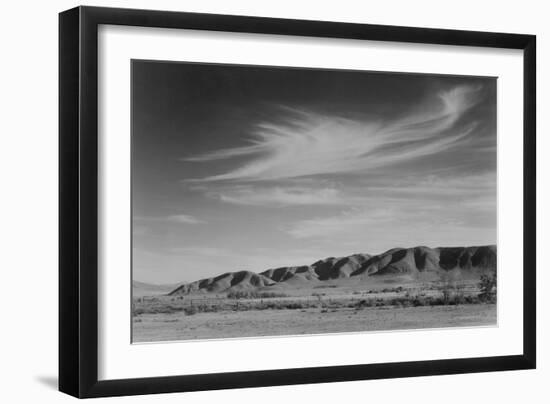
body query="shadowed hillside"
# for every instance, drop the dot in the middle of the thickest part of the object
(227, 281)
(397, 261)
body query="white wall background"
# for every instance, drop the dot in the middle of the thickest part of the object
(28, 202)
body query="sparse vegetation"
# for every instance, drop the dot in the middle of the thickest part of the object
(247, 294)
(450, 297)
(254, 306)
(154, 307)
(445, 300)
(190, 310)
(397, 289)
(488, 287)
(445, 292)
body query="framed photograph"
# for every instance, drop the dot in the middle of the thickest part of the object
(251, 201)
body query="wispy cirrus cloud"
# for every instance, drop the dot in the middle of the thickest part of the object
(185, 219)
(361, 192)
(179, 218)
(465, 186)
(431, 224)
(283, 196)
(347, 222)
(307, 144)
(432, 203)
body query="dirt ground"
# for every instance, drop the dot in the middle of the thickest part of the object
(175, 326)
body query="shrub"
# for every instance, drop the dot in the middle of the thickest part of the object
(446, 292)
(397, 289)
(401, 301)
(190, 310)
(364, 303)
(294, 305)
(488, 287)
(137, 312)
(420, 301)
(459, 298)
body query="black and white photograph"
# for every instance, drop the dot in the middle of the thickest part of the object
(271, 201)
(275, 202)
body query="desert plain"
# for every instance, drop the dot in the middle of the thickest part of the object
(402, 289)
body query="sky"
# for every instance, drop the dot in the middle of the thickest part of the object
(249, 167)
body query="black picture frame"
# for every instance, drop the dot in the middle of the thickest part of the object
(78, 205)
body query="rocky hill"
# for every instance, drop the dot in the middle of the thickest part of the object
(396, 261)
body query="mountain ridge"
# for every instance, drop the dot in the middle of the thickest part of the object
(396, 261)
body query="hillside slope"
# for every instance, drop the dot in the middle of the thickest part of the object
(397, 261)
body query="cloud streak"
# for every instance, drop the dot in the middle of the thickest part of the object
(188, 219)
(429, 223)
(307, 144)
(283, 196)
(347, 222)
(180, 218)
(361, 192)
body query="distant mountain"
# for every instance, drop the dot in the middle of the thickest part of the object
(397, 261)
(226, 281)
(149, 289)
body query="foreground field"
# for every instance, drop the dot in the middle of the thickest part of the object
(231, 324)
(343, 305)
